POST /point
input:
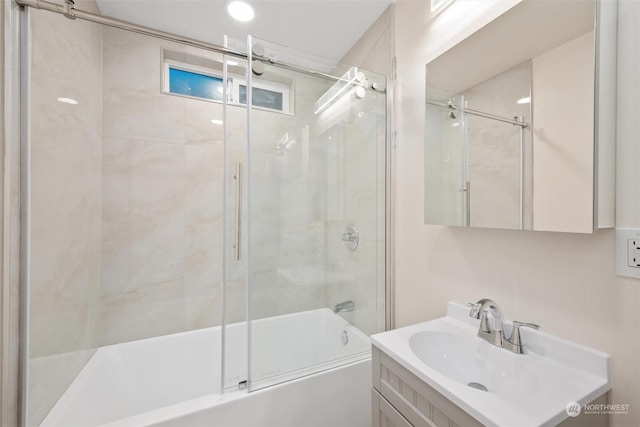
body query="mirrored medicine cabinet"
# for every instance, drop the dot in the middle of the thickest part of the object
(520, 121)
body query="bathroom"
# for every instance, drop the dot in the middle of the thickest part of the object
(404, 271)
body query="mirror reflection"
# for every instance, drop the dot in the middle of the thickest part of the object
(510, 122)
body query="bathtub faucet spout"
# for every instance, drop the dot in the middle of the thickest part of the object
(343, 306)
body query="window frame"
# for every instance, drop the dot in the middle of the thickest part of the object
(166, 82)
(233, 86)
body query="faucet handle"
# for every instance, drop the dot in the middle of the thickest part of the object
(474, 310)
(518, 324)
(515, 340)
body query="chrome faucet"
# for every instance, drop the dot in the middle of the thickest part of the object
(493, 332)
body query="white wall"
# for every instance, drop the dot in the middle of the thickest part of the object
(565, 282)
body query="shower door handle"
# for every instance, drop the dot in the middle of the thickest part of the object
(467, 202)
(238, 210)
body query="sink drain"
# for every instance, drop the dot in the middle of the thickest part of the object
(477, 386)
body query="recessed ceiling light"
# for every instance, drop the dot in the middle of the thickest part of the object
(68, 101)
(217, 122)
(240, 10)
(524, 100)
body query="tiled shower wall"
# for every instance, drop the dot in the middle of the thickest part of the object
(493, 150)
(162, 195)
(355, 195)
(366, 163)
(66, 61)
(131, 180)
(162, 171)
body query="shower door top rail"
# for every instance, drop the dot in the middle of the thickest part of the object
(67, 9)
(516, 121)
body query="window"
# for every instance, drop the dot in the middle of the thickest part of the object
(264, 98)
(195, 84)
(206, 83)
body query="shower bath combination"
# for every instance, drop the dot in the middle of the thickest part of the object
(186, 256)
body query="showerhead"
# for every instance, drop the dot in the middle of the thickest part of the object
(452, 115)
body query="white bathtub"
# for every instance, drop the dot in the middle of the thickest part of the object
(174, 380)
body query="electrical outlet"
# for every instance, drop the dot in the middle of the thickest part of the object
(633, 252)
(628, 252)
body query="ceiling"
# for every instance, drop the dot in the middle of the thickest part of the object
(326, 28)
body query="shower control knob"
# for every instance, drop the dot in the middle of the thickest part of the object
(351, 237)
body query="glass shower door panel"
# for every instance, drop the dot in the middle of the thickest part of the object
(494, 171)
(125, 225)
(445, 161)
(236, 250)
(316, 167)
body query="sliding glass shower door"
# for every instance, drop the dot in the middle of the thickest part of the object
(317, 134)
(195, 222)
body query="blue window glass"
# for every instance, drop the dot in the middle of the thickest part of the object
(195, 84)
(262, 98)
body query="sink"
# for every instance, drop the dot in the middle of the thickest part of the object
(494, 385)
(474, 362)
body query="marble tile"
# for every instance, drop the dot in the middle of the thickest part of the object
(143, 246)
(494, 173)
(133, 105)
(203, 311)
(65, 246)
(143, 115)
(65, 189)
(55, 72)
(203, 236)
(143, 189)
(156, 308)
(65, 159)
(62, 297)
(203, 175)
(494, 148)
(128, 265)
(199, 128)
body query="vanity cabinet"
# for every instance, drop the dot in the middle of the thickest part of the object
(400, 399)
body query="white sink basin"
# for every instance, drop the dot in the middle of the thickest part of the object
(474, 362)
(530, 389)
